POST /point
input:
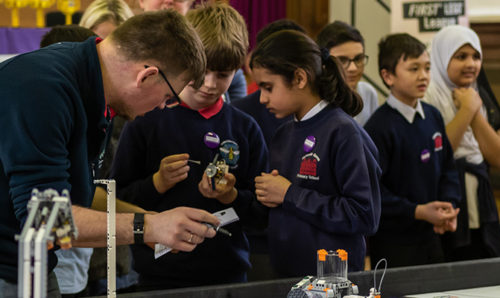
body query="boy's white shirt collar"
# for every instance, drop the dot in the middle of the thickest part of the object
(404, 109)
(312, 112)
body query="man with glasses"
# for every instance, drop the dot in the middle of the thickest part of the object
(346, 44)
(55, 108)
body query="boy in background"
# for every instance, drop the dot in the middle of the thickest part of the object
(419, 181)
(346, 44)
(238, 87)
(151, 164)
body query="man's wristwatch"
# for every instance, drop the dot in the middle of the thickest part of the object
(139, 228)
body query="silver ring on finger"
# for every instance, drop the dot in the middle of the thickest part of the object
(191, 238)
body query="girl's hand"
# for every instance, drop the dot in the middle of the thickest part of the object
(225, 193)
(467, 98)
(271, 188)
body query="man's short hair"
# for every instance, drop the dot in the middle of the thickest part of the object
(394, 46)
(71, 33)
(224, 34)
(164, 38)
(278, 25)
(337, 33)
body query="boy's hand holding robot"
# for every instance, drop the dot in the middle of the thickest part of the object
(218, 183)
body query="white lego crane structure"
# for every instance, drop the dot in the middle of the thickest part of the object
(50, 220)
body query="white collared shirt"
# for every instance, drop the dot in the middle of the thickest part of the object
(312, 112)
(404, 109)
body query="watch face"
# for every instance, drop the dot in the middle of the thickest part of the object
(211, 170)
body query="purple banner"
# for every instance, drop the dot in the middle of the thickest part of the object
(20, 40)
(259, 13)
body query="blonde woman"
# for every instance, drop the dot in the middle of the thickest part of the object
(103, 16)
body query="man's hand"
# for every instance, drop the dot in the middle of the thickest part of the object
(181, 228)
(172, 169)
(225, 193)
(271, 188)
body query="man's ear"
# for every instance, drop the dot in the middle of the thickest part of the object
(387, 76)
(145, 73)
(300, 78)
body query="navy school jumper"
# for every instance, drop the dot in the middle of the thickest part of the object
(147, 140)
(334, 199)
(417, 168)
(53, 127)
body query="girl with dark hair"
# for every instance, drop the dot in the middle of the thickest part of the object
(324, 188)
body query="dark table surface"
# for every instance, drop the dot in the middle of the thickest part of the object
(397, 282)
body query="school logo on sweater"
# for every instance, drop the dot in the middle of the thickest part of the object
(309, 167)
(230, 152)
(438, 141)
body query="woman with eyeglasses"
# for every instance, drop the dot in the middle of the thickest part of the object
(346, 44)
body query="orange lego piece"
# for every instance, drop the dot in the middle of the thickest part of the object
(326, 289)
(322, 255)
(65, 242)
(310, 287)
(342, 254)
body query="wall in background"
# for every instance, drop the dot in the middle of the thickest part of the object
(372, 18)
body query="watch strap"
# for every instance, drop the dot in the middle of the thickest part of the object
(139, 228)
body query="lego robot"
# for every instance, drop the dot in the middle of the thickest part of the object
(49, 220)
(331, 281)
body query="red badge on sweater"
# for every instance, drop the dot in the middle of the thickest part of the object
(309, 167)
(438, 141)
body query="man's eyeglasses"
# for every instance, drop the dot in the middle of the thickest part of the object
(359, 60)
(172, 101)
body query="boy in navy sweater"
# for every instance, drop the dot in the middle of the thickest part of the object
(151, 164)
(419, 182)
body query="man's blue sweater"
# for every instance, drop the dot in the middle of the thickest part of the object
(417, 168)
(160, 133)
(334, 199)
(52, 118)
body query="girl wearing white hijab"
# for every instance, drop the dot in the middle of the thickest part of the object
(455, 65)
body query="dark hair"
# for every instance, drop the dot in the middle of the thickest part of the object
(285, 51)
(337, 33)
(165, 38)
(71, 33)
(394, 46)
(281, 24)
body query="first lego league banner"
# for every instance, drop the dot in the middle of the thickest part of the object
(423, 19)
